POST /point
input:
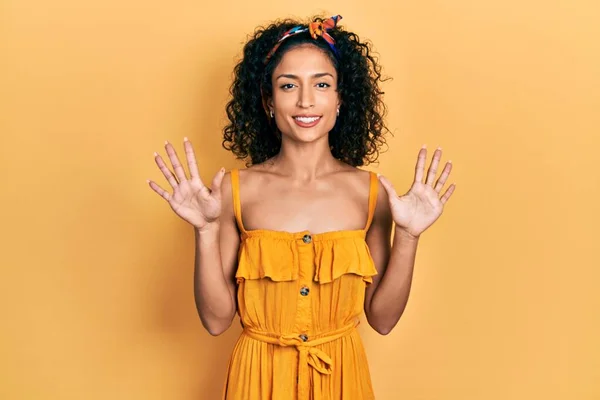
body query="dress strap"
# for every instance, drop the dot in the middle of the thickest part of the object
(373, 188)
(237, 205)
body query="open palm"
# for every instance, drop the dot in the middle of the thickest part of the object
(191, 199)
(422, 205)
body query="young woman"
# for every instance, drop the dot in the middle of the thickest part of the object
(298, 243)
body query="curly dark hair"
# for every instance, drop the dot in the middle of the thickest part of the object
(359, 130)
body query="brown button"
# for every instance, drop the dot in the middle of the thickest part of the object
(304, 291)
(307, 239)
(304, 337)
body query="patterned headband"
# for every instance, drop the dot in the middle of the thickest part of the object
(316, 29)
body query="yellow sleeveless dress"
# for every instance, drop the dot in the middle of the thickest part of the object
(300, 296)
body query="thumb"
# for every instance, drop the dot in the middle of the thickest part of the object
(388, 186)
(215, 186)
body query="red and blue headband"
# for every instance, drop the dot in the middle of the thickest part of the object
(316, 29)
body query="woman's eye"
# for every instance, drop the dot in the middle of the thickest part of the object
(321, 85)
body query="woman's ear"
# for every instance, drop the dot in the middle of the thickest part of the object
(267, 104)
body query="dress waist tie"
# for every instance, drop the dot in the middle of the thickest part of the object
(308, 354)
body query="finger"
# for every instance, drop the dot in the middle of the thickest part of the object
(191, 159)
(177, 167)
(163, 193)
(432, 172)
(216, 184)
(445, 173)
(420, 164)
(388, 186)
(448, 193)
(166, 171)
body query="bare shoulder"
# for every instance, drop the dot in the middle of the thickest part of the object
(382, 217)
(249, 175)
(251, 180)
(382, 208)
(356, 176)
(227, 193)
(227, 219)
(253, 172)
(383, 213)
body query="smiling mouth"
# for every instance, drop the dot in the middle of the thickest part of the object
(307, 122)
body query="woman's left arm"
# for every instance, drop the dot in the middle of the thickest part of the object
(412, 214)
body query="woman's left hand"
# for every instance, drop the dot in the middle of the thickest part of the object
(418, 209)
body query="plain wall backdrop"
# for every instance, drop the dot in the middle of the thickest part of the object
(96, 270)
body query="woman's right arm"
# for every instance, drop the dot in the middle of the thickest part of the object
(210, 212)
(215, 265)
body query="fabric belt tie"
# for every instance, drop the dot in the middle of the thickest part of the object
(308, 354)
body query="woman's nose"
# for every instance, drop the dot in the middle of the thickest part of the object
(306, 97)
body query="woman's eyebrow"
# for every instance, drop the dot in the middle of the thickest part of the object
(291, 76)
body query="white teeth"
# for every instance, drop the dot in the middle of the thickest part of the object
(307, 120)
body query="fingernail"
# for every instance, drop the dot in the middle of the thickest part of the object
(185, 139)
(166, 142)
(450, 161)
(222, 170)
(424, 146)
(155, 154)
(439, 148)
(378, 174)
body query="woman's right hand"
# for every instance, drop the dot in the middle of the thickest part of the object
(191, 200)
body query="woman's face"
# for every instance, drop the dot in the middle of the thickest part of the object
(305, 98)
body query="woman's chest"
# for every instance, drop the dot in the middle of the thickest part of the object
(305, 209)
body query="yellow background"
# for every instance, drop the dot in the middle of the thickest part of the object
(96, 283)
